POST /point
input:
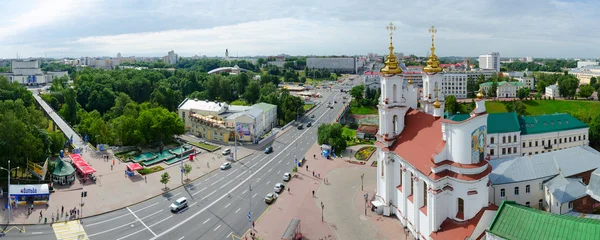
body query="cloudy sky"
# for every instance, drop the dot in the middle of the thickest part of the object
(75, 28)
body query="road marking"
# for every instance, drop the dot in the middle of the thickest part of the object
(245, 191)
(124, 225)
(270, 170)
(143, 229)
(229, 192)
(33, 233)
(229, 234)
(181, 238)
(279, 171)
(254, 195)
(238, 210)
(217, 228)
(141, 221)
(279, 161)
(205, 197)
(199, 191)
(268, 182)
(160, 221)
(206, 221)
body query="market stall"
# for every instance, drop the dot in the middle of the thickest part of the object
(84, 170)
(63, 173)
(29, 194)
(131, 168)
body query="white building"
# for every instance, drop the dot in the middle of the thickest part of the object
(585, 73)
(455, 82)
(552, 91)
(581, 64)
(504, 90)
(529, 82)
(336, 65)
(171, 57)
(490, 61)
(28, 72)
(528, 59)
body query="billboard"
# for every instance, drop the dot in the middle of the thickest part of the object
(478, 137)
(37, 170)
(243, 129)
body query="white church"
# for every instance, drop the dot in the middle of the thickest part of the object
(433, 173)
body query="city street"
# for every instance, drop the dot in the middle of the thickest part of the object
(218, 203)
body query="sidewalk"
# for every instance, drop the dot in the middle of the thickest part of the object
(101, 196)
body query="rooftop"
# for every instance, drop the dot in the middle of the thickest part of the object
(566, 189)
(368, 128)
(451, 229)
(549, 123)
(202, 105)
(593, 189)
(265, 106)
(503, 122)
(489, 84)
(545, 165)
(513, 221)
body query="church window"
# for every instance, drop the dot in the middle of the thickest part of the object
(509, 139)
(579, 138)
(523, 144)
(424, 193)
(555, 141)
(461, 208)
(492, 152)
(509, 150)
(529, 144)
(382, 168)
(400, 177)
(503, 139)
(583, 137)
(514, 149)
(536, 143)
(527, 189)
(516, 191)
(503, 151)
(411, 184)
(395, 124)
(394, 93)
(502, 193)
(492, 140)
(515, 138)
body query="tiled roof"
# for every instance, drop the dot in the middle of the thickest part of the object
(419, 140)
(566, 189)
(451, 229)
(545, 165)
(368, 128)
(503, 122)
(514, 221)
(549, 123)
(459, 117)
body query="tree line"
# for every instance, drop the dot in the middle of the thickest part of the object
(548, 65)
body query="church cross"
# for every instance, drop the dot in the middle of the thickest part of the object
(391, 28)
(432, 30)
(436, 90)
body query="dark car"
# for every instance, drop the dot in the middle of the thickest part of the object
(300, 127)
(268, 150)
(308, 124)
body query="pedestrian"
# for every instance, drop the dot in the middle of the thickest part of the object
(313, 193)
(41, 214)
(62, 209)
(315, 156)
(288, 190)
(313, 173)
(78, 213)
(111, 167)
(52, 217)
(319, 175)
(307, 167)
(146, 178)
(45, 220)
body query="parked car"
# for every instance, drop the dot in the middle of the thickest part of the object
(300, 127)
(271, 197)
(179, 204)
(278, 187)
(226, 151)
(268, 150)
(313, 116)
(225, 166)
(309, 124)
(287, 177)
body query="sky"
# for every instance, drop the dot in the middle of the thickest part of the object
(515, 28)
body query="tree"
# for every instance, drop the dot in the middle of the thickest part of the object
(523, 93)
(472, 87)
(509, 106)
(586, 90)
(164, 179)
(567, 85)
(358, 92)
(331, 134)
(451, 104)
(70, 112)
(252, 93)
(519, 107)
(493, 89)
(187, 168)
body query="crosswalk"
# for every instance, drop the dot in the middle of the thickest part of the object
(69, 230)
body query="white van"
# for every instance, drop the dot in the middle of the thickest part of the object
(179, 204)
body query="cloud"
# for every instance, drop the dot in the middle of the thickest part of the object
(539, 28)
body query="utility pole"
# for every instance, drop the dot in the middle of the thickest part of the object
(362, 176)
(322, 208)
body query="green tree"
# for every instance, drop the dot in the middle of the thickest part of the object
(586, 90)
(187, 168)
(357, 92)
(164, 179)
(451, 104)
(331, 134)
(493, 89)
(472, 87)
(519, 107)
(252, 93)
(522, 93)
(57, 142)
(70, 112)
(567, 85)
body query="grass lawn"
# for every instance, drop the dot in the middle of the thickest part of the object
(240, 102)
(363, 110)
(307, 106)
(146, 171)
(206, 146)
(347, 132)
(539, 107)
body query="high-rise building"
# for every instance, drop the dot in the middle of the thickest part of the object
(171, 57)
(490, 61)
(529, 59)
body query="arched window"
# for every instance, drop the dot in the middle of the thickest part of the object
(527, 189)
(424, 193)
(516, 191)
(394, 93)
(461, 208)
(395, 124)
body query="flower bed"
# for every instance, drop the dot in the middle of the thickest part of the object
(364, 153)
(206, 146)
(151, 170)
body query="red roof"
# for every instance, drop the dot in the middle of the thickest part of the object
(451, 229)
(420, 140)
(135, 167)
(368, 128)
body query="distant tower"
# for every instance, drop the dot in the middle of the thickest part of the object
(119, 55)
(226, 53)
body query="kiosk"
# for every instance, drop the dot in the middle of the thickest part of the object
(29, 194)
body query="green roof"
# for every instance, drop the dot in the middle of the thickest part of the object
(503, 122)
(489, 84)
(265, 106)
(549, 123)
(513, 221)
(62, 168)
(459, 117)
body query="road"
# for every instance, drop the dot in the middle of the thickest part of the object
(218, 203)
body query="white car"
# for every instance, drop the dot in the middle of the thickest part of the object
(287, 176)
(179, 204)
(271, 197)
(278, 187)
(226, 151)
(225, 166)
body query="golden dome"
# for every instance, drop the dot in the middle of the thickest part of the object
(480, 94)
(437, 104)
(410, 80)
(391, 64)
(433, 65)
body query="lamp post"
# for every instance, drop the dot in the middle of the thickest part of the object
(297, 113)
(366, 201)
(322, 208)
(249, 182)
(9, 170)
(362, 176)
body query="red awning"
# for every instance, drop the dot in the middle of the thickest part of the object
(75, 157)
(87, 170)
(134, 167)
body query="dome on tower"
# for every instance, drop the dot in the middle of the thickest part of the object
(437, 103)
(391, 63)
(480, 94)
(433, 64)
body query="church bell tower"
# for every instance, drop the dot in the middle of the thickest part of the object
(431, 100)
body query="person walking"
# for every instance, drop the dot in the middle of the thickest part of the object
(146, 178)
(306, 167)
(52, 217)
(313, 193)
(41, 214)
(62, 209)
(288, 190)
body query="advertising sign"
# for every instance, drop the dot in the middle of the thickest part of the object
(35, 169)
(243, 129)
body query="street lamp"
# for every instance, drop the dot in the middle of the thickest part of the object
(322, 207)
(9, 170)
(249, 182)
(297, 113)
(366, 201)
